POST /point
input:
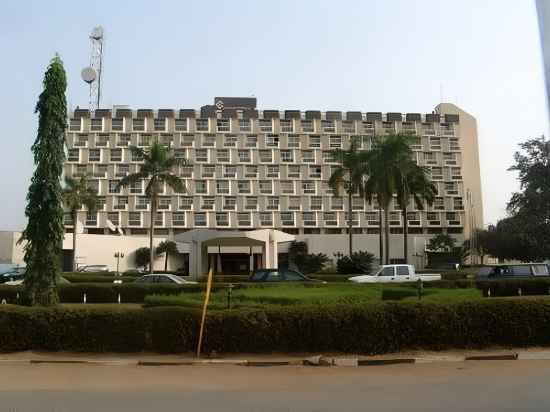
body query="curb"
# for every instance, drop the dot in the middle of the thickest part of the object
(504, 356)
(380, 362)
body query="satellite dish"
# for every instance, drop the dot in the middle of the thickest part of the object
(88, 74)
(97, 33)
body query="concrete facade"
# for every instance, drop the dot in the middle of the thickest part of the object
(268, 169)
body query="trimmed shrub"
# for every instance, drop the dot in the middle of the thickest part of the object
(84, 278)
(370, 328)
(358, 263)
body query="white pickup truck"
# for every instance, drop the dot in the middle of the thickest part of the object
(395, 274)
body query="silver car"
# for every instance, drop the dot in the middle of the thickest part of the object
(166, 278)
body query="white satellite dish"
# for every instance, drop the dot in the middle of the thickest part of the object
(88, 74)
(97, 33)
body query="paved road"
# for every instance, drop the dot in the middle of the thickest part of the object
(472, 386)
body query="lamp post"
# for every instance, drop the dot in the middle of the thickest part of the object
(118, 256)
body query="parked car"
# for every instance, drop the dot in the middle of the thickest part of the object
(164, 278)
(279, 275)
(518, 270)
(16, 274)
(93, 268)
(395, 274)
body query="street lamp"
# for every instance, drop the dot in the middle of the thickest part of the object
(118, 256)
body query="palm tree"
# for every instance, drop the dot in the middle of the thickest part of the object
(76, 194)
(385, 162)
(168, 247)
(348, 176)
(157, 167)
(415, 183)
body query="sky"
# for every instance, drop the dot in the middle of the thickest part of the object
(384, 55)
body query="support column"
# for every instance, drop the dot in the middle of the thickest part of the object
(275, 254)
(219, 268)
(266, 257)
(250, 260)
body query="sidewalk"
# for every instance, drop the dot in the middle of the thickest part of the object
(304, 359)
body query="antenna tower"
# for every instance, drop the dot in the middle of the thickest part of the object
(93, 73)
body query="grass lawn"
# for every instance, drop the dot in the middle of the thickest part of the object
(313, 295)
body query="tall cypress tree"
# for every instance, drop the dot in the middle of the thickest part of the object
(44, 231)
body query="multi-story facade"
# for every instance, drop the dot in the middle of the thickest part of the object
(251, 168)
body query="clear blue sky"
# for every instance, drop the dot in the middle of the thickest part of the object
(384, 55)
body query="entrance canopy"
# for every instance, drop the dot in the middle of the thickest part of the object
(196, 242)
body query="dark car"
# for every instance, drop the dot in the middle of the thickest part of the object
(518, 270)
(16, 273)
(279, 275)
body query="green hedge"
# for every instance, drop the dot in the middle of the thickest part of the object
(82, 278)
(512, 287)
(372, 329)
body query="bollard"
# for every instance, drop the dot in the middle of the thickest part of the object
(84, 298)
(119, 298)
(229, 293)
(519, 291)
(489, 292)
(4, 301)
(17, 296)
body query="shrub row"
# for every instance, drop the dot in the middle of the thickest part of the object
(515, 287)
(85, 278)
(371, 329)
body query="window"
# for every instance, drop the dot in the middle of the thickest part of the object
(435, 143)
(136, 187)
(272, 171)
(159, 219)
(357, 203)
(180, 153)
(348, 126)
(201, 187)
(293, 141)
(307, 126)
(223, 125)
(429, 158)
(457, 203)
(337, 203)
(222, 187)
(315, 172)
(244, 156)
(102, 140)
(266, 125)
(134, 219)
(124, 139)
(266, 156)
(230, 171)
(453, 144)
(251, 141)
(73, 155)
(208, 171)
(451, 188)
(75, 125)
(272, 203)
(314, 141)
(287, 218)
(286, 126)
(229, 203)
(230, 140)
(138, 125)
(456, 173)
(372, 218)
(251, 171)
(136, 157)
(266, 187)
(327, 157)
(94, 155)
(395, 218)
(222, 219)
(243, 186)
(164, 203)
(388, 271)
(294, 203)
(114, 217)
(437, 173)
(272, 140)
(160, 125)
(100, 171)
(439, 203)
(144, 140)
(187, 140)
(202, 125)
(452, 218)
(186, 171)
(93, 185)
(287, 187)
(178, 219)
(120, 203)
(81, 170)
(266, 219)
(166, 139)
(243, 219)
(428, 129)
(201, 155)
(96, 125)
(309, 218)
(181, 125)
(308, 187)
(200, 219)
(287, 156)
(251, 203)
(116, 155)
(293, 171)
(335, 142)
(449, 158)
(223, 155)
(244, 125)
(354, 218)
(100, 202)
(142, 203)
(81, 140)
(330, 219)
(433, 217)
(316, 203)
(113, 189)
(308, 156)
(208, 203)
(328, 126)
(209, 140)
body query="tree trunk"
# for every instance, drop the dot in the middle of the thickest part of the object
(405, 236)
(380, 236)
(166, 262)
(74, 213)
(350, 225)
(387, 234)
(152, 229)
